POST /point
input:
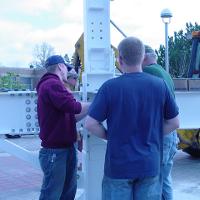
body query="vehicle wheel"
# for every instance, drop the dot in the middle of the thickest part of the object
(195, 152)
(12, 136)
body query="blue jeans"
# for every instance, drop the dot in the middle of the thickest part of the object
(59, 168)
(169, 151)
(130, 189)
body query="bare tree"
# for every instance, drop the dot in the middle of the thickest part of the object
(40, 53)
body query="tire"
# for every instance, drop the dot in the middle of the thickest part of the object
(12, 136)
(195, 152)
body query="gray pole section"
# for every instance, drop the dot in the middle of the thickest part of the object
(166, 48)
(118, 28)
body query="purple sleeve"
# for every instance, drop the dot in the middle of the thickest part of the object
(63, 100)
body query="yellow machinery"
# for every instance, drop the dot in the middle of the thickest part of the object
(190, 139)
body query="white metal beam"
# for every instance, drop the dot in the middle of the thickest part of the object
(189, 109)
(18, 112)
(28, 156)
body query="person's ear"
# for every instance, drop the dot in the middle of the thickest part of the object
(120, 60)
(59, 67)
(144, 59)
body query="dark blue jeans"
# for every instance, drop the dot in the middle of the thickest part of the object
(60, 169)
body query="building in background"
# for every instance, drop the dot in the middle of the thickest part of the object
(27, 76)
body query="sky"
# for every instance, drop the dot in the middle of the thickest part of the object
(27, 23)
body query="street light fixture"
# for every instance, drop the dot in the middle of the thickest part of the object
(166, 16)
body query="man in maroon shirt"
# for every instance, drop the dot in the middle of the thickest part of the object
(58, 112)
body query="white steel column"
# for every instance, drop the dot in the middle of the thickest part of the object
(99, 67)
(98, 55)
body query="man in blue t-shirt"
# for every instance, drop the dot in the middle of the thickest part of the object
(139, 110)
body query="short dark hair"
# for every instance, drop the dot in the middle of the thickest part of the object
(131, 50)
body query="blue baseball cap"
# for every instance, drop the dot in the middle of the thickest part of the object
(56, 59)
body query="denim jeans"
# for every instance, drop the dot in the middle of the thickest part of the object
(169, 151)
(130, 189)
(59, 168)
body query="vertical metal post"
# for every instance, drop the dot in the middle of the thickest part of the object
(98, 56)
(166, 48)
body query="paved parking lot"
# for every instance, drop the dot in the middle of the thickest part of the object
(20, 181)
(186, 177)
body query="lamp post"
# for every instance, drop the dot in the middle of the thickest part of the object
(166, 16)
